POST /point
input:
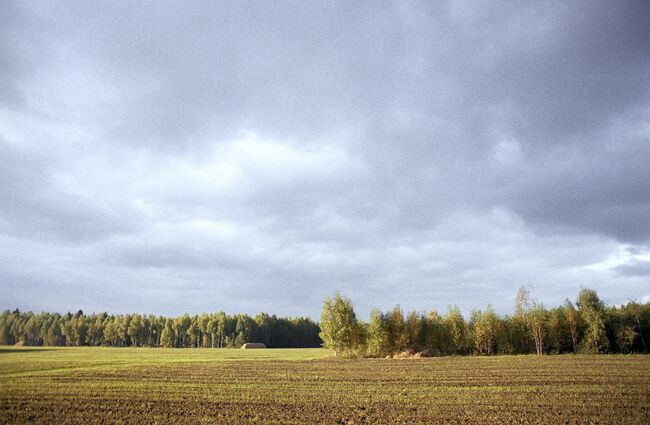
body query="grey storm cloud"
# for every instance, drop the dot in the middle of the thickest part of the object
(636, 268)
(216, 155)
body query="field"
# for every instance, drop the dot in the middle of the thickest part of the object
(147, 385)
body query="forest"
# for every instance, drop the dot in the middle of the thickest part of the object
(217, 330)
(588, 326)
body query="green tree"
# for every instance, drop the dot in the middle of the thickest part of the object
(134, 330)
(486, 327)
(181, 326)
(518, 326)
(558, 330)
(245, 330)
(378, 335)
(96, 331)
(54, 335)
(636, 311)
(168, 335)
(457, 328)
(592, 309)
(340, 329)
(193, 332)
(399, 337)
(574, 322)
(537, 320)
(415, 330)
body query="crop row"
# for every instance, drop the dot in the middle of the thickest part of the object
(566, 389)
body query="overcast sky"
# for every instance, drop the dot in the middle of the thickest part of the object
(166, 157)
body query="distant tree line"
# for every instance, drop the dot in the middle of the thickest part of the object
(588, 326)
(201, 331)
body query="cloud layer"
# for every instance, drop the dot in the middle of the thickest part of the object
(257, 157)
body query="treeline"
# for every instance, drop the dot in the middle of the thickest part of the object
(588, 326)
(217, 330)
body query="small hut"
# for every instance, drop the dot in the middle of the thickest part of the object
(250, 345)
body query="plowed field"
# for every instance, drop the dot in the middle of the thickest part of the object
(134, 386)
